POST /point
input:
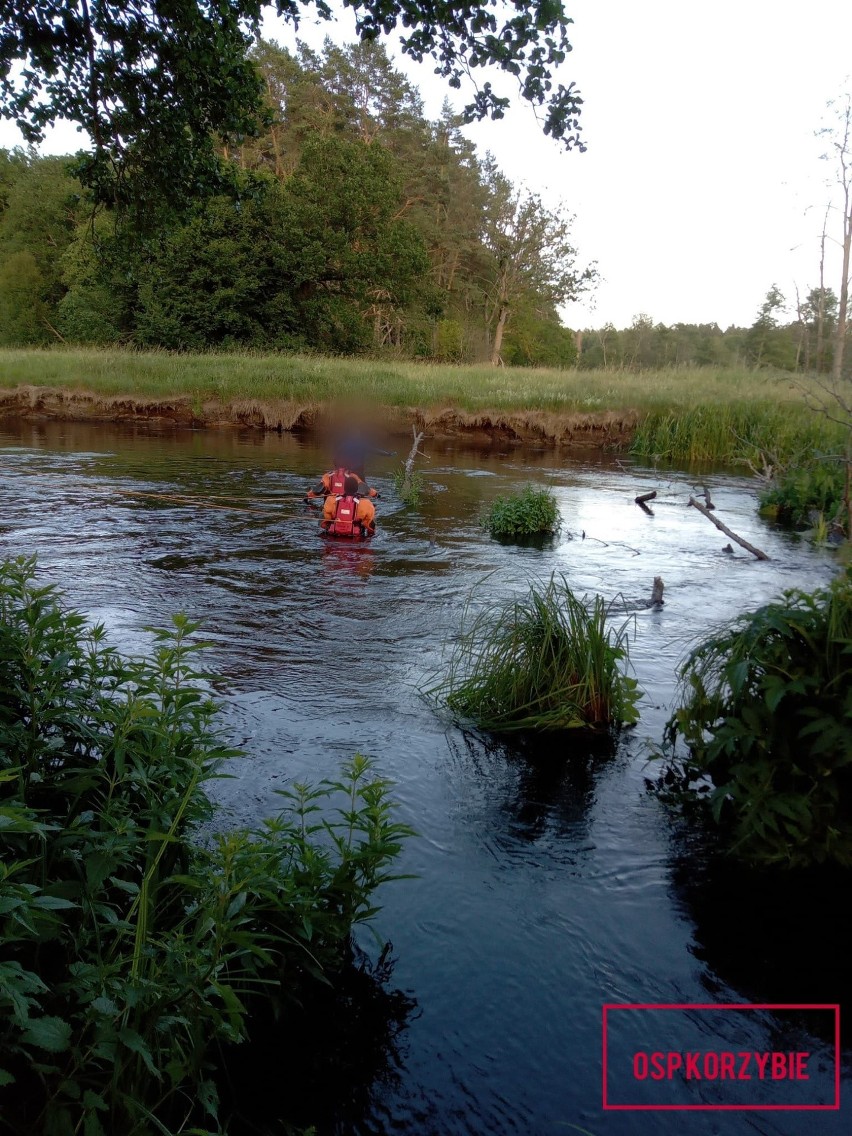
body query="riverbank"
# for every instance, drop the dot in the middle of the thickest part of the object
(690, 414)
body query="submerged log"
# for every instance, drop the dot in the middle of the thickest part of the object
(657, 593)
(643, 497)
(723, 528)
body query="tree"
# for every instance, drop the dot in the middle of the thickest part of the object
(767, 343)
(840, 139)
(531, 255)
(296, 265)
(153, 85)
(22, 308)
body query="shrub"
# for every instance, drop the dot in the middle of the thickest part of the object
(130, 952)
(543, 662)
(802, 491)
(766, 714)
(533, 512)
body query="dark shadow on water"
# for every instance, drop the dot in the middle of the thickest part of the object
(540, 541)
(773, 936)
(319, 1065)
(532, 786)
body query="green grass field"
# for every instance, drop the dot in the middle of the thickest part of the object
(697, 414)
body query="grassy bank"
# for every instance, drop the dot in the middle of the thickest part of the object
(678, 414)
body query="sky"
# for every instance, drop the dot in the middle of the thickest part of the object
(702, 183)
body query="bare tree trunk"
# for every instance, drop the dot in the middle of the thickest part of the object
(498, 337)
(820, 337)
(844, 154)
(842, 307)
(803, 342)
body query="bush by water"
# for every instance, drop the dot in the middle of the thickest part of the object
(131, 951)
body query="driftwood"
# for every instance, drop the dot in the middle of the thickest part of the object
(643, 498)
(707, 499)
(657, 593)
(723, 528)
(409, 462)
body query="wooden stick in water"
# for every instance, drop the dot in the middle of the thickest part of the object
(723, 528)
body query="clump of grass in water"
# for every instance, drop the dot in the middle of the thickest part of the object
(410, 489)
(543, 662)
(533, 512)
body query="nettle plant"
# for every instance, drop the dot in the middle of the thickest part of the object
(766, 718)
(130, 951)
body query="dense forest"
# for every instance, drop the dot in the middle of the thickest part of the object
(350, 224)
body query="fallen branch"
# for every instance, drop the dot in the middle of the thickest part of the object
(408, 468)
(643, 497)
(709, 503)
(723, 528)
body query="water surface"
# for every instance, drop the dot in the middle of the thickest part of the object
(544, 888)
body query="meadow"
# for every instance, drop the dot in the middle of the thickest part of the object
(679, 414)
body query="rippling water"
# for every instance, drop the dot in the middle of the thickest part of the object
(544, 889)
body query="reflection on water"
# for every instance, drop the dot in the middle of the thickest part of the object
(322, 1064)
(547, 883)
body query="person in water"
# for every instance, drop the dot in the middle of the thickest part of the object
(351, 452)
(333, 483)
(348, 514)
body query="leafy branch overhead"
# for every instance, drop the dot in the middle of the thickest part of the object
(154, 85)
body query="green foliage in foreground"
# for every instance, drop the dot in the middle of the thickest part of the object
(814, 487)
(766, 714)
(543, 662)
(532, 512)
(129, 953)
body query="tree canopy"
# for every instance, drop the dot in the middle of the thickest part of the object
(153, 83)
(351, 223)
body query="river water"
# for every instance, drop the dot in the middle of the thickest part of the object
(544, 888)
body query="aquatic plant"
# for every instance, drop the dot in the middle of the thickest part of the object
(532, 512)
(546, 661)
(130, 950)
(800, 492)
(409, 486)
(766, 715)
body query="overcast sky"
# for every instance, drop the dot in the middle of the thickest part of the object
(702, 183)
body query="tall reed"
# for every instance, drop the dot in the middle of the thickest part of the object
(546, 661)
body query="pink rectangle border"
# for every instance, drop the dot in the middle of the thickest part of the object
(834, 1006)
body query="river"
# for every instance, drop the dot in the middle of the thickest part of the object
(544, 888)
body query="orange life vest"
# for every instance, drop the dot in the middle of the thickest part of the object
(345, 521)
(337, 481)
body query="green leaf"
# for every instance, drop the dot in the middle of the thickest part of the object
(134, 1042)
(49, 1033)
